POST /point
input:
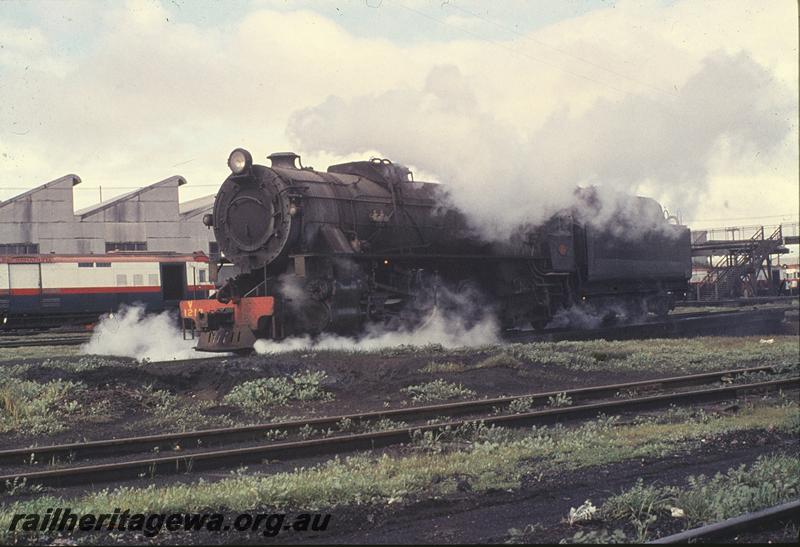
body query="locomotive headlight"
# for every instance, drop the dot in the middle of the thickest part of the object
(240, 161)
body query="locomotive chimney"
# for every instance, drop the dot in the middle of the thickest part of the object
(288, 160)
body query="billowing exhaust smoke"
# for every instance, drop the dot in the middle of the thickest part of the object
(504, 175)
(132, 333)
(459, 320)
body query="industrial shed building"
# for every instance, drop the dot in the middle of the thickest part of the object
(43, 220)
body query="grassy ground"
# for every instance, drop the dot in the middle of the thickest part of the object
(699, 353)
(47, 395)
(432, 466)
(47, 406)
(632, 515)
(667, 356)
(51, 392)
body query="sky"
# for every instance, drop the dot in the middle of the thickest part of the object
(511, 103)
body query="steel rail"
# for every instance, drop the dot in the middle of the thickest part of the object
(734, 302)
(167, 441)
(54, 341)
(204, 460)
(788, 510)
(678, 325)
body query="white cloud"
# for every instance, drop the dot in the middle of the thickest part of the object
(144, 93)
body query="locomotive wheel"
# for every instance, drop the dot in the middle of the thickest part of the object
(539, 324)
(609, 319)
(311, 317)
(318, 289)
(658, 306)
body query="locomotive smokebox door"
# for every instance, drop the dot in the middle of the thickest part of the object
(252, 221)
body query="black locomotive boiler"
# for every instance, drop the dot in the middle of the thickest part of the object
(364, 242)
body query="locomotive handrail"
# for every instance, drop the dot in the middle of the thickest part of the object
(248, 293)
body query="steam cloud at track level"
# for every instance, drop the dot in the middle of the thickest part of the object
(132, 333)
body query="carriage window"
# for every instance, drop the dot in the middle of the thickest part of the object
(122, 280)
(102, 264)
(202, 276)
(138, 280)
(152, 279)
(85, 264)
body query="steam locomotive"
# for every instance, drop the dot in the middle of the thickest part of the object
(364, 242)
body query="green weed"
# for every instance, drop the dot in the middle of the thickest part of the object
(488, 463)
(259, 396)
(438, 390)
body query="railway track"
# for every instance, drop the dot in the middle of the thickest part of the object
(37, 341)
(19, 332)
(737, 322)
(786, 511)
(186, 458)
(735, 302)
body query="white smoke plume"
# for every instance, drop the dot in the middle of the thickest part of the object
(593, 317)
(503, 175)
(449, 332)
(132, 333)
(460, 318)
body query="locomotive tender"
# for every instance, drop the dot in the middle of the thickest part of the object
(363, 242)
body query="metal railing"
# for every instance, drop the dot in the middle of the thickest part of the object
(739, 233)
(734, 267)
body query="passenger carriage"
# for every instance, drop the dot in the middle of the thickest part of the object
(51, 290)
